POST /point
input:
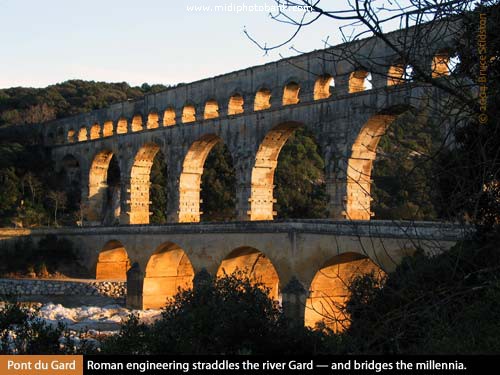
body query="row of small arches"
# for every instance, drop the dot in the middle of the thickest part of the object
(359, 80)
(262, 101)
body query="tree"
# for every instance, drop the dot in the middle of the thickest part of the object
(218, 186)
(34, 185)
(228, 315)
(9, 193)
(20, 105)
(158, 190)
(300, 179)
(59, 201)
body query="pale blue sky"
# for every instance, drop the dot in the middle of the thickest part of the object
(154, 41)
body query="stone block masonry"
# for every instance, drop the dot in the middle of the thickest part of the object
(86, 288)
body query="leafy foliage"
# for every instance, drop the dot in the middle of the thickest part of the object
(228, 315)
(218, 186)
(20, 105)
(158, 190)
(300, 178)
(403, 183)
(50, 255)
(441, 304)
(470, 178)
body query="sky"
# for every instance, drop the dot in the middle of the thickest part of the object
(154, 41)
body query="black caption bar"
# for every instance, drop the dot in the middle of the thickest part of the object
(141, 365)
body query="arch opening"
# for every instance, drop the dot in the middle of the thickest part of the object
(440, 63)
(82, 134)
(169, 117)
(113, 262)
(255, 265)
(95, 131)
(70, 178)
(140, 184)
(399, 74)
(300, 178)
(360, 165)
(360, 80)
(323, 87)
(235, 105)
(158, 191)
(188, 114)
(137, 123)
(168, 270)
(291, 93)
(444, 63)
(190, 179)
(153, 119)
(266, 160)
(262, 100)
(211, 109)
(107, 128)
(104, 189)
(218, 186)
(329, 291)
(71, 136)
(60, 136)
(122, 126)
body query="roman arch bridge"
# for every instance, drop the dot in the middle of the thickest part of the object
(346, 96)
(254, 111)
(306, 264)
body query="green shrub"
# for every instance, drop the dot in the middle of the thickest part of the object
(228, 315)
(448, 303)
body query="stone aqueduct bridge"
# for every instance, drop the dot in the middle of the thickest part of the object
(305, 263)
(253, 112)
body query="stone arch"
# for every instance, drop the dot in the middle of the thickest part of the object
(95, 131)
(60, 135)
(211, 109)
(359, 80)
(70, 161)
(188, 113)
(322, 87)
(140, 183)
(153, 120)
(254, 264)
(235, 105)
(51, 138)
(359, 168)
(329, 292)
(168, 270)
(262, 99)
(291, 93)
(398, 74)
(137, 125)
(122, 126)
(71, 179)
(82, 134)
(169, 117)
(190, 179)
(266, 160)
(71, 136)
(107, 128)
(113, 262)
(441, 64)
(98, 187)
